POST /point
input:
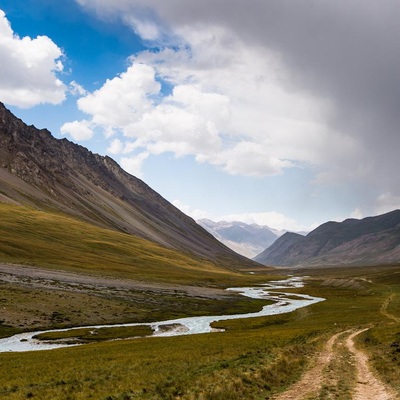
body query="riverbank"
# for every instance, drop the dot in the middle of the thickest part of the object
(283, 303)
(254, 358)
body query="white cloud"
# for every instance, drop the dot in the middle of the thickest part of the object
(382, 204)
(357, 213)
(77, 89)
(123, 99)
(226, 106)
(297, 92)
(148, 30)
(257, 160)
(28, 69)
(387, 202)
(133, 164)
(78, 130)
(271, 219)
(196, 214)
(174, 126)
(232, 105)
(115, 147)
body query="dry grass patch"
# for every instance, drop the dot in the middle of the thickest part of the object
(56, 241)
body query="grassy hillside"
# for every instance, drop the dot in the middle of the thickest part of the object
(173, 284)
(253, 359)
(51, 240)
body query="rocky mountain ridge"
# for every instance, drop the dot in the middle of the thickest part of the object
(369, 241)
(52, 174)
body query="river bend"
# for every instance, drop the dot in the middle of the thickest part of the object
(283, 303)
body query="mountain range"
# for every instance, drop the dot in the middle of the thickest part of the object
(246, 239)
(369, 241)
(56, 175)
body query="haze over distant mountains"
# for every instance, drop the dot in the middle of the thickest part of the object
(246, 239)
(49, 174)
(369, 241)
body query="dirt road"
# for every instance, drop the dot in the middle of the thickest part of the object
(341, 371)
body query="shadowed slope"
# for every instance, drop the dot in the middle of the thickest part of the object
(372, 240)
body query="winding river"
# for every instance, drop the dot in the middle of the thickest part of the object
(283, 303)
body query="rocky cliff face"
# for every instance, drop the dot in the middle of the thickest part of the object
(57, 175)
(370, 241)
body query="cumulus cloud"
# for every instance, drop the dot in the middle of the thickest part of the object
(115, 147)
(304, 84)
(273, 219)
(28, 69)
(133, 164)
(195, 213)
(221, 109)
(123, 99)
(258, 160)
(78, 130)
(77, 89)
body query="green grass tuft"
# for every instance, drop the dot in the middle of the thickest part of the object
(87, 335)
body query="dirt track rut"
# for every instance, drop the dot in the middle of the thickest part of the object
(340, 371)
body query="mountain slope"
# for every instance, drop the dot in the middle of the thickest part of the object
(373, 240)
(245, 239)
(57, 175)
(56, 241)
(279, 249)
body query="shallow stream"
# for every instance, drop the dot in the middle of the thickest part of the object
(283, 303)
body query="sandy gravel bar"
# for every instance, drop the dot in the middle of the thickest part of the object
(40, 277)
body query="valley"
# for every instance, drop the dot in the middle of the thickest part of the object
(281, 303)
(37, 298)
(254, 358)
(84, 244)
(78, 284)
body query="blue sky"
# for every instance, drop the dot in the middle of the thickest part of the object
(280, 113)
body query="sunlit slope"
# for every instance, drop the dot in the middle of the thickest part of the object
(42, 172)
(50, 240)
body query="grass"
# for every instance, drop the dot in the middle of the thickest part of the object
(253, 359)
(87, 335)
(57, 241)
(24, 307)
(154, 368)
(383, 340)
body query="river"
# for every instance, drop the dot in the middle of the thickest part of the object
(283, 303)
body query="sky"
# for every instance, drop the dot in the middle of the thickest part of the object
(275, 112)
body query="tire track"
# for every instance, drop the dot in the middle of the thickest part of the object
(368, 386)
(324, 380)
(311, 382)
(384, 307)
